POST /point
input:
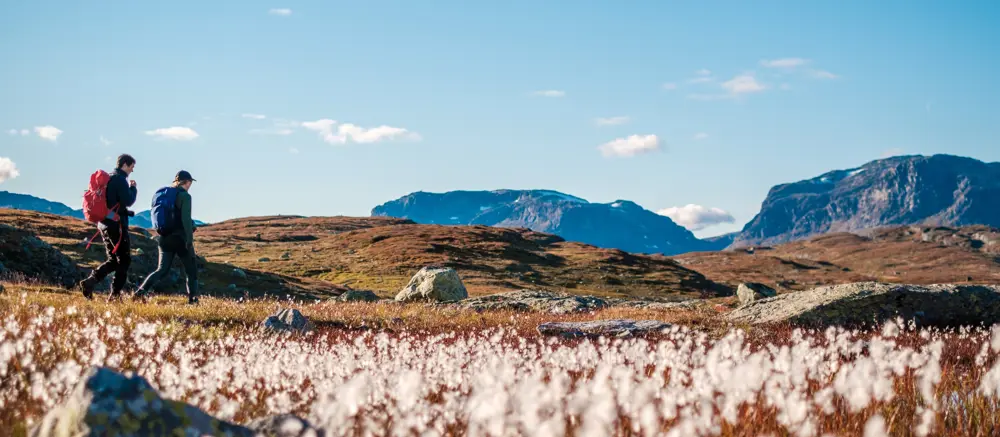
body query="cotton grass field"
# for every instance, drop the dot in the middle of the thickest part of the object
(386, 369)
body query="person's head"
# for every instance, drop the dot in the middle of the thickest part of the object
(126, 163)
(183, 180)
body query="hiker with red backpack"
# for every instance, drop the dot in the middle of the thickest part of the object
(106, 204)
(172, 221)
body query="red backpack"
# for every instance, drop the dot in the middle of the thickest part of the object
(95, 202)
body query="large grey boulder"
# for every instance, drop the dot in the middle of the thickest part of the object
(288, 320)
(751, 291)
(434, 284)
(531, 300)
(108, 403)
(602, 328)
(867, 302)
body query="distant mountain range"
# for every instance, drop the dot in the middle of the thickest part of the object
(940, 190)
(142, 219)
(621, 224)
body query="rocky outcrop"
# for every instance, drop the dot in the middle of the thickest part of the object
(288, 320)
(108, 403)
(358, 296)
(602, 328)
(434, 284)
(531, 300)
(940, 190)
(621, 224)
(868, 302)
(27, 256)
(749, 292)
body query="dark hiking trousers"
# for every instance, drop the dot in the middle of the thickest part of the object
(117, 262)
(169, 247)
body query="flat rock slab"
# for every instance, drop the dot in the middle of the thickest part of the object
(602, 328)
(531, 300)
(871, 302)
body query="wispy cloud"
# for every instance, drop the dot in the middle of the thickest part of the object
(702, 79)
(21, 132)
(281, 12)
(784, 62)
(105, 141)
(293, 151)
(550, 93)
(630, 146)
(822, 74)
(700, 136)
(611, 121)
(272, 131)
(709, 97)
(50, 133)
(255, 116)
(8, 170)
(697, 217)
(357, 134)
(177, 133)
(704, 72)
(743, 84)
(670, 86)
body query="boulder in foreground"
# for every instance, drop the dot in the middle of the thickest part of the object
(434, 284)
(288, 320)
(868, 302)
(531, 300)
(602, 328)
(751, 291)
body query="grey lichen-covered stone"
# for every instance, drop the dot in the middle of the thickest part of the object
(603, 328)
(869, 302)
(358, 296)
(288, 320)
(108, 403)
(239, 273)
(434, 284)
(751, 291)
(533, 300)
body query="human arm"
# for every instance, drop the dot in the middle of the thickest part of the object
(184, 203)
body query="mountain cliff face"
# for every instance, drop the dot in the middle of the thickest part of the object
(621, 224)
(941, 190)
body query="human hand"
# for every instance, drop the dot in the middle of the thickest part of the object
(131, 184)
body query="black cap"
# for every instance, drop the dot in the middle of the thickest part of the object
(183, 175)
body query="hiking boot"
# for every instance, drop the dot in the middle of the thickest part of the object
(87, 286)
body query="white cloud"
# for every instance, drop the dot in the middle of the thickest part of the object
(822, 74)
(611, 121)
(784, 62)
(293, 151)
(630, 146)
(700, 136)
(25, 132)
(550, 93)
(50, 133)
(703, 79)
(255, 116)
(357, 134)
(8, 170)
(697, 217)
(704, 72)
(743, 84)
(174, 133)
(283, 12)
(670, 86)
(105, 141)
(12, 132)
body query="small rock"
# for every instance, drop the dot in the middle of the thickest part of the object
(602, 328)
(286, 255)
(288, 319)
(231, 287)
(532, 300)
(109, 403)
(437, 284)
(263, 259)
(750, 291)
(238, 248)
(239, 273)
(358, 296)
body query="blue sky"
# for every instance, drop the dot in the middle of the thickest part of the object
(331, 107)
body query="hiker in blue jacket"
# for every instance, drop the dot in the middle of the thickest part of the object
(172, 220)
(121, 194)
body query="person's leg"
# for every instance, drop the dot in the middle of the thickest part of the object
(109, 236)
(124, 257)
(191, 275)
(162, 269)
